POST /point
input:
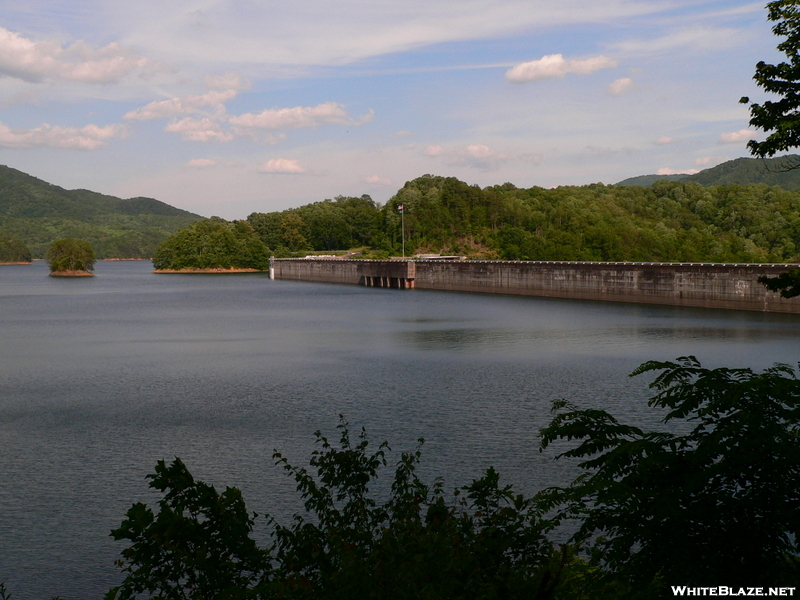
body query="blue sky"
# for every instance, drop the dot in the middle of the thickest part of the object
(228, 107)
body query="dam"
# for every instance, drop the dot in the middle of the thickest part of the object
(732, 286)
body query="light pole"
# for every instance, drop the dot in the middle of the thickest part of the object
(402, 228)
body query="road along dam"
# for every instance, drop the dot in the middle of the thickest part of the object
(708, 285)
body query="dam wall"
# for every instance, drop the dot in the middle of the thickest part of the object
(717, 285)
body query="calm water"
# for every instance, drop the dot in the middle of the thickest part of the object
(101, 377)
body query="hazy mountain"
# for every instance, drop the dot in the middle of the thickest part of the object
(38, 213)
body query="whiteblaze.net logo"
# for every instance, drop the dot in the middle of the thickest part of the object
(722, 590)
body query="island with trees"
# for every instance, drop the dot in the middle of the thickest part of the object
(71, 258)
(213, 246)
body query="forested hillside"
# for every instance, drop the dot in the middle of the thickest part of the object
(781, 171)
(13, 250)
(670, 221)
(37, 213)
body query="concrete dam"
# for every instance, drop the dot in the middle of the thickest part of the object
(708, 285)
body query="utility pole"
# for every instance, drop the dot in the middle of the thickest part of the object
(402, 228)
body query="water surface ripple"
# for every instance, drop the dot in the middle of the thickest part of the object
(101, 377)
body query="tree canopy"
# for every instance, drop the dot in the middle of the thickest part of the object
(670, 221)
(779, 118)
(13, 250)
(70, 255)
(718, 502)
(213, 244)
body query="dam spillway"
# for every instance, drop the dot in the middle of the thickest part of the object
(708, 285)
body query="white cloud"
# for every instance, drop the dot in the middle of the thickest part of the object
(735, 137)
(226, 81)
(282, 165)
(477, 156)
(182, 106)
(664, 140)
(554, 66)
(32, 61)
(89, 137)
(698, 38)
(377, 180)
(338, 32)
(298, 116)
(434, 151)
(620, 86)
(668, 171)
(199, 130)
(201, 163)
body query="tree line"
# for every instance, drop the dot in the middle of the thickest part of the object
(669, 222)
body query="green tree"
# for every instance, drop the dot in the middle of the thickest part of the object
(788, 283)
(781, 117)
(70, 255)
(487, 543)
(213, 244)
(719, 502)
(196, 547)
(13, 250)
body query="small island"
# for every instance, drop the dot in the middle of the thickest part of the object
(71, 258)
(213, 246)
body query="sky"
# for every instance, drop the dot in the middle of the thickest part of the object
(228, 107)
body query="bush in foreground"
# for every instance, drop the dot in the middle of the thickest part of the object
(716, 505)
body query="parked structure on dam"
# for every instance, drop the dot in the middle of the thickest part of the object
(718, 285)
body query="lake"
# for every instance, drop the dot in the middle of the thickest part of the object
(102, 377)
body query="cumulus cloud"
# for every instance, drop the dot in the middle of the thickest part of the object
(298, 116)
(89, 137)
(554, 66)
(735, 137)
(477, 156)
(182, 106)
(282, 166)
(620, 86)
(199, 130)
(36, 61)
(664, 140)
(668, 171)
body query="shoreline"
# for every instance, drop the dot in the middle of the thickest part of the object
(110, 259)
(207, 271)
(15, 263)
(71, 274)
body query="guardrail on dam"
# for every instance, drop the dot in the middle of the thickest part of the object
(709, 285)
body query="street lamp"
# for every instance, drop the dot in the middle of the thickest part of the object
(402, 228)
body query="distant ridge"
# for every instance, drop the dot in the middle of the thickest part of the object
(648, 180)
(38, 213)
(772, 171)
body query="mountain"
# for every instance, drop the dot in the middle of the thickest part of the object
(39, 213)
(648, 180)
(781, 171)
